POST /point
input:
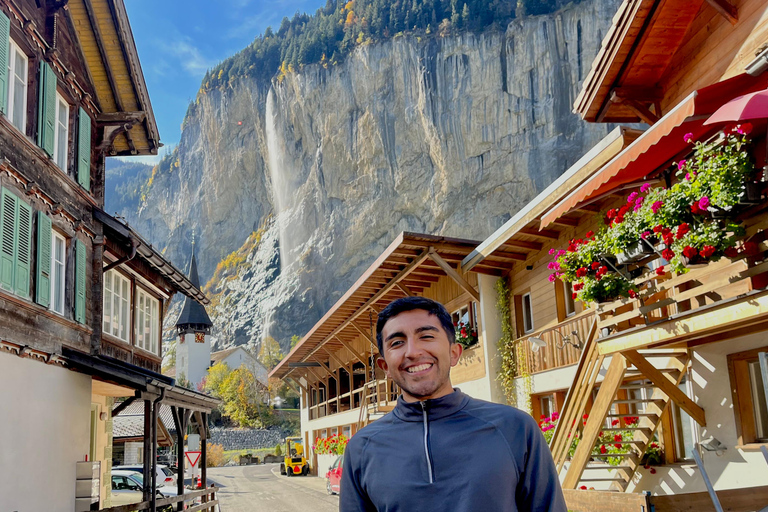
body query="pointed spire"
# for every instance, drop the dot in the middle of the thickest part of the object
(193, 316)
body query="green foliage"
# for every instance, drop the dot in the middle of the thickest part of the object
(330, 34)
(510, 352)
(334, 445)
(123, 185)
(241, 395)
(279, 449)
(270, 353)
(295, 339)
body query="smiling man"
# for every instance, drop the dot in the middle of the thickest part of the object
(440, 449)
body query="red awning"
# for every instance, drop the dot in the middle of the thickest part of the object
(660, 143)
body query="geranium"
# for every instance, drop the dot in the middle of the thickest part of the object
(466, 334)
(660, 271)
(682, 230)
(645, 187)
(681, 164)
(704, 203)
(657, 206)
(690, 252)
(631, 198)
(668, 254)
(707, 251)
(688, 137)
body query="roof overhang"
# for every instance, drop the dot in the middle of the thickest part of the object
(611, 145)
(109, 50)
(622, 85)
(661, 144)
(412, 263)
(122, 233)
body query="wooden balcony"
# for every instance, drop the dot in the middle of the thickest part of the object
(124, 352)
(672, 308)
(557, 353)
(379, 395)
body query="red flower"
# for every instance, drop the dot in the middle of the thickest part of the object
(611, 213)
(583, 487)
(653, 471)
(578, 286)
(618, 445)
(572, 247)
(574, 295)
(614, 423)
(690, 252)
(707, 251)
(668, 254)
(585, 416)
(595, 265)
(654, 445)
(749, 248)
(603, 449)
(657, 229)
(632, 294)
(660, 271)
(682, 229)
(581, 272)
(590, 234)
(617, 437)
(731, 252)
(695, 209)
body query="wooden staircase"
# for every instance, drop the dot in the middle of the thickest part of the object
(626, 366)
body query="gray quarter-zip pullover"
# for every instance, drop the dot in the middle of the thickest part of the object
(454, 453)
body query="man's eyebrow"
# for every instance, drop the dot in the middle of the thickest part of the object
(426, 328)
(398, 334)
(401, 334)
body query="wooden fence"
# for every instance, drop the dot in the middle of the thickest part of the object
(209, 502)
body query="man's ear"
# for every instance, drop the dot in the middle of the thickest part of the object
(456, 350)
(381, 363)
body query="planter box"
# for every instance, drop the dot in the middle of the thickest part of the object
(634, 252)
(752, 193)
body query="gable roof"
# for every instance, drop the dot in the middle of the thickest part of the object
(129, 424)
(193, 312)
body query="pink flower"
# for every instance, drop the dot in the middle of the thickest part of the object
(560, 252)
(681, 164)
(645, 234)
(744, 129)
(552, 252)
(688, 137)
(657, 206)
(639, 203)
(645, 187)
(552, 278)
(632, 197)
(553, 265)
(687, 176)
(704, 203)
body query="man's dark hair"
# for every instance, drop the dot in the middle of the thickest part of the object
(409, 304)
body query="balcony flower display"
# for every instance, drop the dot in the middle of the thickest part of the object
(691, 222)
(334, 445)
(466, 335)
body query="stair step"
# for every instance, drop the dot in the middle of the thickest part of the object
(661, 353)
(608, 443)
(604, 467)
(607, 479)
(637, 401)
(617, 429)
(638, 414)
(614, 455)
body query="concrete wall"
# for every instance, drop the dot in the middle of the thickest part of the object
(103, 404)
(45, 430)
(133, 453)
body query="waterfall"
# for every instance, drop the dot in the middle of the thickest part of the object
(282, 188)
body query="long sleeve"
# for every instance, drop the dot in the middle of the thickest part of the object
(352, 497)
(539, 487)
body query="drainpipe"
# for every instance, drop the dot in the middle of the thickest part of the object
(155, 405)
(134, 247)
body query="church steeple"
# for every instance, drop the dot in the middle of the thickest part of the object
(193, 316)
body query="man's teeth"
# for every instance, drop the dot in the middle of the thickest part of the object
(421, 367)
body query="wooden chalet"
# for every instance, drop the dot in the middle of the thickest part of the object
(684, 360)
(82, 296)
(342, 389)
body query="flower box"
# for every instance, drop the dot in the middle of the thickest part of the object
(753, 194)
(634, 252)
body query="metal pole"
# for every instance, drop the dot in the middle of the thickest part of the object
(147, 491)
(707, 482)
(153, 480)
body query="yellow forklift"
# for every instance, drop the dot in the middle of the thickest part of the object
(295, 463)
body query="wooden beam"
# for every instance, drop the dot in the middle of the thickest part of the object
(642, 112)
(666, 386)
(324, 366)
(546, 234)
(352, 350)
(125, 403)
(725, 9)
(567, 221)
(94, 22)
(641, 94)
(333, 357)
(404, 288)
(120, 118)
(453, 274)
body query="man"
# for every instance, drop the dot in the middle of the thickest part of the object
(440, 449)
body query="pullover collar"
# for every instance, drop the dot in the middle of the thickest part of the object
(436, 408)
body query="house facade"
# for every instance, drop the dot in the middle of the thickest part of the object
(236, 357)
(82, 296)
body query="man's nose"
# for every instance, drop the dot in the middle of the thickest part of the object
(413, 348)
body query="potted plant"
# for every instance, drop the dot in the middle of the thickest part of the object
(466, 335)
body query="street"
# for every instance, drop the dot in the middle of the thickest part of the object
(261, 487)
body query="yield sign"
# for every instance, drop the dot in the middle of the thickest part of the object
(193, 458)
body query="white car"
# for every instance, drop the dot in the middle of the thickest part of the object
(127, 488)
(165, 477)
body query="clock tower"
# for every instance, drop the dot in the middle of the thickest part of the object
(193, 348)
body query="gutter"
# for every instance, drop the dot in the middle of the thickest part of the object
(134, 248)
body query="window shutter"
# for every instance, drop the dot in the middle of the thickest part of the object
(46, 119)
(24, 248)
(84, 150)
(7, 239)
(79, 282)
(43, 278)
(5, 34)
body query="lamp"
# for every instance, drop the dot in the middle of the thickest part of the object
(537, 342)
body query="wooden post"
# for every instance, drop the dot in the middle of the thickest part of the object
(180, 417)
(153, 465)
(147, 492)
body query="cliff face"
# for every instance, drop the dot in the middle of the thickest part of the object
(446, 135)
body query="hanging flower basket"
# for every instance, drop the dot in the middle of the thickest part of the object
(634, 253)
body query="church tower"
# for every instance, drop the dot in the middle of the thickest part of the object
(193, 348)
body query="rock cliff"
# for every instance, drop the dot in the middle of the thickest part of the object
(320, 171)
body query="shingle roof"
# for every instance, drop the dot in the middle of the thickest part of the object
(130, 421)
(193, 313)
(221, 355)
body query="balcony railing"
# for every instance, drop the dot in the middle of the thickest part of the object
(379, 394)
(556, 354)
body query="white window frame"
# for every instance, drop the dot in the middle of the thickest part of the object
(61, 103)
(528, 327)
(14, 49)
(58, 275)
(117, 323)
(570, 304)
(147, 320)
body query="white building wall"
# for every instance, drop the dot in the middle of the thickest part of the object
(243, 357)
(192, 359)
(45, 430)
(134, 453)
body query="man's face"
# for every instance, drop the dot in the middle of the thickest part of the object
(417, 355)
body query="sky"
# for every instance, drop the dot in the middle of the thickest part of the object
(178, 40)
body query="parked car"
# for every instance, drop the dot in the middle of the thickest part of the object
(333, 476)
(165, 477)
(127, 489)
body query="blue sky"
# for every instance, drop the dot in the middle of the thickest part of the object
(178, 40)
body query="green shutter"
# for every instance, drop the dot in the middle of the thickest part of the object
(5, 34)
(43, 278)
(46, 118)
(84, 150)
(24, 249)
(7, 239)
(80, 282)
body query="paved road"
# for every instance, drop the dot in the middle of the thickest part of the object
(260, 487)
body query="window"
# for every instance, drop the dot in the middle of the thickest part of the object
(58, 271)
(570, 306)
(18, 66)
(748, 379)
(147, 321)
(15, 244)
(466, 315)
(117, 297)
(61, 137)
(346, 431)
(527, 314)
(547, 404)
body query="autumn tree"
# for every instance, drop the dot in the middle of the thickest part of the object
(270, 353)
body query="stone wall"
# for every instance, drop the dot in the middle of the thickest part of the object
(240, 439)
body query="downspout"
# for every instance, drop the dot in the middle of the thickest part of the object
(134, 247)
(155, 405)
